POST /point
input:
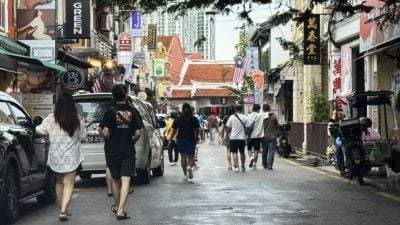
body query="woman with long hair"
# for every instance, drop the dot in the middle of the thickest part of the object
(187, 127)
(65, 129)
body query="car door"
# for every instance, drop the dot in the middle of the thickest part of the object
(154, 135)
(33, 154)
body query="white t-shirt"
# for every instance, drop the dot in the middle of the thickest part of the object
(258, 118)
(237, 129)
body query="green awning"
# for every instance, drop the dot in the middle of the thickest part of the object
(54, 66)
(33, 60)
(12, 46)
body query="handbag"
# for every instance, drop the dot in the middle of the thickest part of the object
(247, 130)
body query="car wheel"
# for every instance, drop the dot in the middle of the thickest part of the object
(144, 175)
(9, 208)
(85, 175)
(49, 195)
(159, 171)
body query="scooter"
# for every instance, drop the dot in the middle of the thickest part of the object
(353, 163)
(284, 146)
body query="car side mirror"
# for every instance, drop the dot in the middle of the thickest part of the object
(37, 120)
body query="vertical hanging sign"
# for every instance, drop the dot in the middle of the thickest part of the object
(152, 37)
(252, 55)
(136, 24)
(77, 24)
(125, 55)
(312, 41)
(158, 67)
(336, 87)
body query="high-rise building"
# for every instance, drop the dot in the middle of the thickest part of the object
(195, 25)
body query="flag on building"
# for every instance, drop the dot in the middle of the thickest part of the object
(240, 69)
(98, 82)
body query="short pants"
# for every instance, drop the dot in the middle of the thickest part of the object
(121, 165)
(254, 143)
(186, 147)
(237, 145)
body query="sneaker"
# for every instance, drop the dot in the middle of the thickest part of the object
(237, 169)
(172, 164)
(243, 168)
(185, 178)
(190, 172)
(229, 167)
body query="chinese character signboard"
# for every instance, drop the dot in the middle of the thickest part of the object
(77, 24)
(370, 35)
(152, 37)
(312, 42)
(252, 55)
(136, 24)
(336, 86)
(158, 67)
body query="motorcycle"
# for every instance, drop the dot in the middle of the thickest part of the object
(352, 158)
(284, 146)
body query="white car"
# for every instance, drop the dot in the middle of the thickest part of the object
(149, 152)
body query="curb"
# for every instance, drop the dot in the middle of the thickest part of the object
(370, 181)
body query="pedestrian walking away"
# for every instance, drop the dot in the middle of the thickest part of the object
(237, 124)
(254, 142)
(212, 123)
(65, 129)
(187, 127)
(269, 142)
(225, 136)
(121, 129)
(173, 154)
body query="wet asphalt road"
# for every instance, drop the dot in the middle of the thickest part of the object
(289, 194)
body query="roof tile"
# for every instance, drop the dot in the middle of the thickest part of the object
(211, 73)
(213, 93)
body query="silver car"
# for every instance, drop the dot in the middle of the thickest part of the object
(149, 153)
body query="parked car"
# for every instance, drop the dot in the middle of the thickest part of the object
(149, 154)
(23, 156)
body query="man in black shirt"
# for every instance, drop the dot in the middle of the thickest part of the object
(187, 127)
(121, 129)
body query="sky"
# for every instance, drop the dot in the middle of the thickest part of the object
(226, 37)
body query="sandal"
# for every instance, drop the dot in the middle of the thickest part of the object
(114, 209)
(124, 216)
(63, 217)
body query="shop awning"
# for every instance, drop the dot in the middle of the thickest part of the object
(67, 57)
(12, 46)
(28, 59)
(379, 49)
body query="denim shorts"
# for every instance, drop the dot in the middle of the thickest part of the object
(186, 147)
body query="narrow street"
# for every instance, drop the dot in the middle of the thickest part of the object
(289, 194)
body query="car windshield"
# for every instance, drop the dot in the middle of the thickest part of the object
(92, 109)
